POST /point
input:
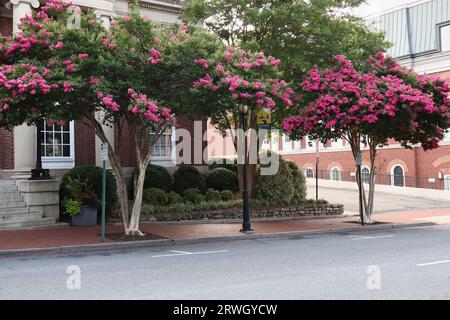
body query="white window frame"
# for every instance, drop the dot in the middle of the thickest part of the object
(287, 145)
(447, 182)
(393, 176)
(171, 159)
(368, 178)
(447, 137)
(332, 174)
(62, 162)
(444, 33)
(308, 147)
(306, 173)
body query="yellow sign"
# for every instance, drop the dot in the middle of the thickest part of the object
(264, 116)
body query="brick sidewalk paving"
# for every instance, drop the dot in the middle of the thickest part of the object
(60, 237)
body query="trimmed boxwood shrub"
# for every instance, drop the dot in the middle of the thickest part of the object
(193, 195)
(188, 177)
(222, 179)
(277, 188)
(93, 176)
(227, 195)
(222, 163)
(213, 195)
(158, 177)
(173, 198)
(155, 196)
(299, 182)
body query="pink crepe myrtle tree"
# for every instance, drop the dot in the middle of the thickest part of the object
(239, 77)
(128, 75)
(383, 101)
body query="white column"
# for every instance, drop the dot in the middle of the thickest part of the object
(24, 136)
(109, 131)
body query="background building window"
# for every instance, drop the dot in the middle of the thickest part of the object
(447, 182)
(445, 38)
(397, 176)
(163, 148)
(56, 141)
(365, 174)
(309, 173)
(336, 174)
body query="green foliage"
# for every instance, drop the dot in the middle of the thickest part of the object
(72, 207)
(227, 195)
(227, 163)
(190, 207)
(300, 33)
(298, 181)
(222, 179)
(188, 177)
(158, 177)
(278, 187)
(173, 198)
(92, 176)
(213, 195)
(193, 195)
(155, 196)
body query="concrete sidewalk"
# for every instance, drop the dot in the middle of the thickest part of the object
(72, 240)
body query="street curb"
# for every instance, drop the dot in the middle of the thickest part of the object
(124, 246)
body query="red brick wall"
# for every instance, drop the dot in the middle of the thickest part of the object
(6, 149)
(6, 137)
(127, 149)
(84, 145)
(6, 26)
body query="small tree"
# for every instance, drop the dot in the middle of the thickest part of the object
(382, 101)
(240, 77)
(126, 76)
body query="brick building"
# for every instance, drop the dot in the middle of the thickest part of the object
(33, 203)
(420, 35)
(74, 144)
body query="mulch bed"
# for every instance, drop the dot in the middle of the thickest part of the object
(121, 237)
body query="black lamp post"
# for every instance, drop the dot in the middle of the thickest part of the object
(38, 173)
(246, 226)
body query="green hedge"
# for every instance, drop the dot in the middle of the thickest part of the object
(299, 182)
(188, 177)
(93, 175)
(227, 163)
(278, 187)
(158, 177)
(222, 179)
(155, 196)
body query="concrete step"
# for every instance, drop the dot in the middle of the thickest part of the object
(20, 217)
(8, 188)
(44, 222)
(11, 204)
(10, 196)
(6, 182)
(19, 210)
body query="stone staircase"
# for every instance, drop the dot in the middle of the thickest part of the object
(13, 211)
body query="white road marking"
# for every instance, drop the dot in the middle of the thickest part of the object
(432, 263)
(184, 253)
(375, 237)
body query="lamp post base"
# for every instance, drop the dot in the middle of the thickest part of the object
(40, 174)
(247, 230)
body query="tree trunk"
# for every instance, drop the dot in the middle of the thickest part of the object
(116, 167)
(133, 228)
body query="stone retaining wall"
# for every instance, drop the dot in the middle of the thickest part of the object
(303, 210)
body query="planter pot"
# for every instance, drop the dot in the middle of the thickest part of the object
(87, 217)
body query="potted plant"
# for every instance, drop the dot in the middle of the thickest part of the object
(82, 204)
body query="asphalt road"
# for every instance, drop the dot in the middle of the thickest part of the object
(384, 202)
(392, 264)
